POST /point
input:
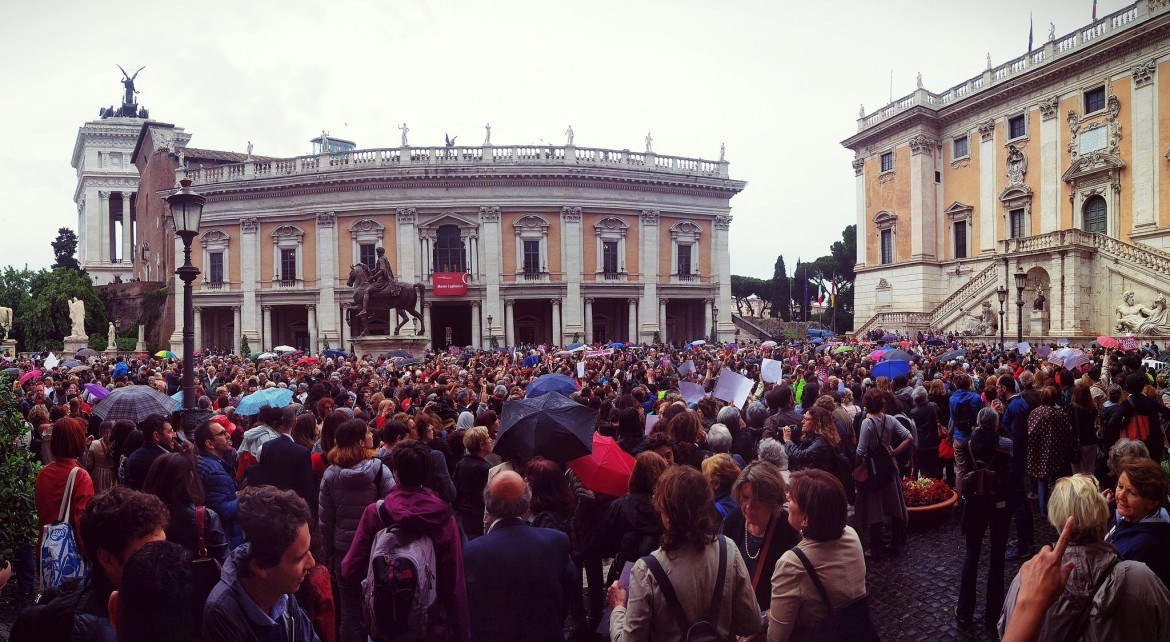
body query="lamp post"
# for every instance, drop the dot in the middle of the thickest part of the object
(1021, 282)
(186, 210)
(1002, 293)
(491, 333)
(714, 322)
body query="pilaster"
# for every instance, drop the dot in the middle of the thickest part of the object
(476, 326)
(249, 278)
(1049, 167)
(988, 209)
(1145, 157)
(922, 205)
(648, 274)
(489, 217)
(572, 242)
(859, 199)
(406, 238)
(324, 324)
(722, 264)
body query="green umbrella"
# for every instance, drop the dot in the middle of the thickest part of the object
(841, 349)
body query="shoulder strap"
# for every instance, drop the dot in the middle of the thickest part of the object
(764, 552)
(378, 477)
(812, 575)
(67, 498)
(383, 515)
(717, 597)
(667, 589)
(200, 513)
(1082, 619)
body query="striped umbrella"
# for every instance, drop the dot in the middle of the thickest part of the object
(134, 403)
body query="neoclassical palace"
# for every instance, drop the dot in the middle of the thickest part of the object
(1052, 165)
(515, 244)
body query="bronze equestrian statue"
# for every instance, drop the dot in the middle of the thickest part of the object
(381, 289)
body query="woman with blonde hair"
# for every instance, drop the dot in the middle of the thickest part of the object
(722, 471)
(1105, 598)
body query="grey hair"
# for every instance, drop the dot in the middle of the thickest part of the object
(920, 396)
(501, 509)
(729, 416)
(1122, 449)
(755, 415)
(773, 451)
(719, 438)
(1026, 378)
(987, 419)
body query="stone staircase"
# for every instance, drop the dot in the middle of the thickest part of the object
(941, 312)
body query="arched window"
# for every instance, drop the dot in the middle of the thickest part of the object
(1094, 212)
(450, 254)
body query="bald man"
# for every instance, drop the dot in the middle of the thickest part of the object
(519, 577)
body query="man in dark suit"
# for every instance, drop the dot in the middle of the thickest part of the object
(286, 464)
(519, 577)
(158, 437)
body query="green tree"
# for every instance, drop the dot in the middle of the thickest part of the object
(781, 291)
(742, 287)
(45, 320)
(65, 249)
(18, 471)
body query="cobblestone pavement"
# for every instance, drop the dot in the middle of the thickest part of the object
(913, 596)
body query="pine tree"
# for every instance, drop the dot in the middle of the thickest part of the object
(781, 291)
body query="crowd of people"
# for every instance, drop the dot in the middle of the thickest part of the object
(376, 503)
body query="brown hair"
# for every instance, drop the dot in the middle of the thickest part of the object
(683, 495)
(648, 467)
(350, 444)
(68, 438)
(721, 470)
(821, 497)
(304, 430)
(768, 484)
(824, 425)
(1145, 476)
(684, 427)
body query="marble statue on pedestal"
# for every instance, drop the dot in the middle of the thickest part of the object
(983, 324)
(77, 319)
(1158, 323)
(5, 323)
(112, 338)
(1130, 315)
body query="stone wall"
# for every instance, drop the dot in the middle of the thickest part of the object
(138, 303)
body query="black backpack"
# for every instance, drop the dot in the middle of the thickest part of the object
(963, 418)
(849, 622)
(700, 630)
(983, 480)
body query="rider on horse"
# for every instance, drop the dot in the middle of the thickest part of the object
(382, 279)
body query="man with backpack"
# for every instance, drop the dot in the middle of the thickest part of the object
(409, 553)
(520, 579)
(1140, 417)
(965, 405)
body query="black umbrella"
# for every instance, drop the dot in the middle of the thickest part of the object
(953, 354)
(551, 425)
(397, 352)
(935, 342)
(897, 355)
(134, 403)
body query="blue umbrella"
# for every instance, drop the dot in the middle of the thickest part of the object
(531, 360)
(275, 397)
(897, 355)
(961, 352)
(576, 345)
(889, 336)
(617, 344)
(334, 352)
(891, 369)
(178, 396)
(545, 384)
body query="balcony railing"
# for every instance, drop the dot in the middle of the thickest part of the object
(683, 277)
(215, 285)
(287, 284)
(613, 276)
(535, 277)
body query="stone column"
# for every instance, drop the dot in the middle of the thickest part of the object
(572, 247)
(198, 328)
(589, 321)
(407, 239)
(103, 255)
(324, 324)
(176, 340)
(722, 271)
(989, 210)
(250, 321)
(127, 230)
(859, 199)
(662, 318)
(1144, 123)
(707, 316)
(140, 347)
(1050, 130)
(311, 312)
(648, 275)
(633, 321)
(489, 218)
(476, 326)
(509, 315)
(266, 330)
(237, 329)
(428, 329)
(556, 322)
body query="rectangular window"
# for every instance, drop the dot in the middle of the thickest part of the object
(960, 147)
(1094, 100)
(887, 246)
(684, 260)
(215, 270)
(887, 161)
(367, 255)
(288, 265)
(609, 257)
(1017, 127)
(532, 257)
(1017, 224)
(961, 239)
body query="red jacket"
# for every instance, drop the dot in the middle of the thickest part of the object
(50, 489)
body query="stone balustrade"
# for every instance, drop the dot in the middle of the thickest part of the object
(485, 156)
(1049, 52)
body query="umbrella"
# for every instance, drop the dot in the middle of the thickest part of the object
(284, 349)
(399, 352)
(409, 362)
(531, 360)
(275, 397)
(264, 355)
(607, 469)
(876, 355)
(545, 384)
(699, 342)
(575, 346)
(768, 344)
(134, 403)
(305, 360)
(935, 342)
(889, 336)
(617, 344)
(897, 355)
(551, 426)
(69, 363)
(11, 371)
(563, 353)
(97, 390)
(1107, 341)
(178, 396)
(891, 369)
(953, 354)
(334, 352)
(824, 346)
(87, 352)
(843, 349)
(165, 354)
(29, 375)
(77, 369)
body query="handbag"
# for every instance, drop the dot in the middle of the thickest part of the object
(849, 622)
(946, 448)
(205, 571)
(61, 557)
(879, 467)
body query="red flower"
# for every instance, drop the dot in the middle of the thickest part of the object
(925, 492)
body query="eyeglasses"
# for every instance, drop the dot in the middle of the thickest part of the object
(217, 434)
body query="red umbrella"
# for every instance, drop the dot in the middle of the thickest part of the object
(304, 360)
(1107, 341)
(607, 469)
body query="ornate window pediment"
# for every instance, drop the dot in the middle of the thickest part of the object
(530, 222)
(286, 233)
(611, 225)
(214, 237)
(1096, 174)
(367, 227)
(885, 220)
(448, 218)
(958, 211)
(1095, 165)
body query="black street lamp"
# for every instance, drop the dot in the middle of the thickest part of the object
(1002, 293)
(491, 333)
(186, 210)
(1021, 283)
(714, 322)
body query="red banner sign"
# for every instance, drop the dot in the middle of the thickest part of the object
(1127, 343)
(449, 283)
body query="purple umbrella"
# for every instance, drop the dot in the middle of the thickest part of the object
(97, 390)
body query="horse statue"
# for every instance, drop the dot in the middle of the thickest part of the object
(404, 302)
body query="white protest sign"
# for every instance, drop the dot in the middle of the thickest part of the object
(52, 361)
(650, 421)
(732, 387)
(691, 392)
(580, 369)
(1024, 347)
(772, 371)
(686, 368)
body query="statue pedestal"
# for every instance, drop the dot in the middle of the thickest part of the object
(375, 345)
(140, 347)
(8, 348)
(1039, 325)
(73, 344)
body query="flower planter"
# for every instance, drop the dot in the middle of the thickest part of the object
(932, 511)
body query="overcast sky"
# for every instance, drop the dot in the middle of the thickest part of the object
(778, 81)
